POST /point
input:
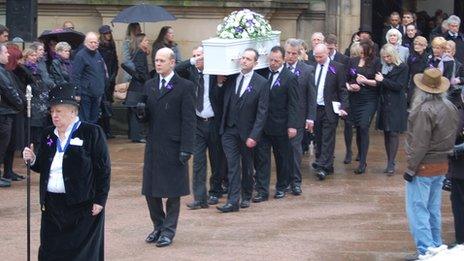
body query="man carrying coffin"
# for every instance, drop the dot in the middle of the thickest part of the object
(281, 125)
(245, 110)
(209, 102)
(169, 109)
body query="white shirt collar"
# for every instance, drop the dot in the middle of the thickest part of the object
(167, 78)
(68, 130)
(247, 74)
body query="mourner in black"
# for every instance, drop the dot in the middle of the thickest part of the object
(245, 111)
(281, 125)
(454, 35)
(209, 102)
(417, 63)
(306, 109)
(74, 166)
(330, 84)
(169, 109)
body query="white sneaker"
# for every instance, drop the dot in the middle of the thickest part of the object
(425, 256)
(436, 250)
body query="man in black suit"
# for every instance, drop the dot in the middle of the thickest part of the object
(245, 111)
(330, 84)
(281, 124)
(306, 112)
(334, 55)
(209, 102)
(169, 109)
(454, 35)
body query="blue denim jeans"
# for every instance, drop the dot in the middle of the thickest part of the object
(89, 108)
(423, 203)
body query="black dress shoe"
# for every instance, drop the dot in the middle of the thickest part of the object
(296, 190)
(328, 171)
(245, 203)
(321, 174)
(4, 183)
(259, 198)
(279, 194)
(357, 158)
(228, 208)
(213, 200)
(13, 176)
(315, 166)
(360, 169)
(347, 159)
(140, 141)
(163, 241)
(288, 188)
(197, 205)
(153, 236)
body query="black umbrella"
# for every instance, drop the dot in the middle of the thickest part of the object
(143, 13)
(73, 38)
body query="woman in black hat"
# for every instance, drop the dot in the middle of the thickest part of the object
(74, 166)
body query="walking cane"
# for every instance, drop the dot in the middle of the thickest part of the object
(28, 164)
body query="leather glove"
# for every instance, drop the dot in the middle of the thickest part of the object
(140, 110)
(408, 177)
(446, 184)
(184, 157)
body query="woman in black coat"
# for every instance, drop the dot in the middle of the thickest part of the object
(417, 63)
(363, 97)
(140, 51)
(457, 76)
(392, 111)
(61, 67)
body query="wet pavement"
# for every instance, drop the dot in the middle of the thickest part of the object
(345, 217)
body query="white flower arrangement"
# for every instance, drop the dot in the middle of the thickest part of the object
(244, 24)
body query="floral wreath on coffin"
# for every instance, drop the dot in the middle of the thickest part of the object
(244, 24)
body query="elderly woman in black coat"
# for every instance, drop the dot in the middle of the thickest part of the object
(61, 67)
(392, 111)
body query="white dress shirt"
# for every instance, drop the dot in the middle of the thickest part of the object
(167, 79)
(320, 88)
(246, 82)
(291, 67)
(55, 180)
(207, 111)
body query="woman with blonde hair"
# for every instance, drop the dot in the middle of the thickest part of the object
(394, 37)
(439, 59)
(417, 63)
(392, 110)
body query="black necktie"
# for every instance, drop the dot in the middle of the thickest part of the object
(271, 77)
(200, 92)
(163, 85)
(319, 76)
(239, 89)
(290, 67)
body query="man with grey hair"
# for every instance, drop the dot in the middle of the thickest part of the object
(316, 38)
(90, 78)
(454, 35)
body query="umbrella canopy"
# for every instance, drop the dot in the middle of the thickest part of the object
(73, 38)
(143, 13)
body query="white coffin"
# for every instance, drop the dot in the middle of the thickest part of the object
(222, 56)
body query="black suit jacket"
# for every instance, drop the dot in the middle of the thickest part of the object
(341, 58)
(58, 72)
(253, 106)
(86, 168)
(140, 74)
(335, 89)
(306, 92)
(216, 94)
(283, 102)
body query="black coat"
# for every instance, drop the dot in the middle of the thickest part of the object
(86, 168)
(456, 166)
(90, 76)
(216, 94)
(171, 118)
(335, 90)
(283, 102)
(392, 114)
(253, 106)
(459, 40)
(109, 54)
(140, 74)
(11, 101)
(306, 92)
(39, 101)
(341, 58)
(59, 71)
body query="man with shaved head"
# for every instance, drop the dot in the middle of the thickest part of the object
(168, 106)
(330, 85)
(90, 78)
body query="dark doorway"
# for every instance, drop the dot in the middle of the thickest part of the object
(381, 9)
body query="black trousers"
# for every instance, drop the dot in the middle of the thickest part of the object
(457, 204)
(6, 127)
(240, 175)
(207, 139)
(262, 158)
(325, 138)
(166, 222)
(296, 153)
(135, 127)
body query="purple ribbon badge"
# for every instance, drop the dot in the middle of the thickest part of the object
(277, 82)
(297, 72)
(249, 88)
(49, 141)
(332, 69)
(353, 71)
(169, 86)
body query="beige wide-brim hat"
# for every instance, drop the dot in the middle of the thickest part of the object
(432, 81)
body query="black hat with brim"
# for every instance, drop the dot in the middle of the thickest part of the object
(63, 94)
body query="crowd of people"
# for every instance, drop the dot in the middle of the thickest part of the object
(412, 83)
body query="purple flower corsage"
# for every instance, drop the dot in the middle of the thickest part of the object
(353, 71)
(297, 72)
(49, 141)
(249, 88)
(332, 69)
(169, 86)
(277, 82)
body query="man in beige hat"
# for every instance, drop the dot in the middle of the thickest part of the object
(432, 125)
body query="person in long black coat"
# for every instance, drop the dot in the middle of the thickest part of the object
(61, 67)
(74, 165)
(417, 63)
(136, 86)
(392, 113)
(169, 109)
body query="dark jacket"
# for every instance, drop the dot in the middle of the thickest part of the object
(459, 40)
(61, 71)
(283, 102)
(140, 74)
(109, 54)
(341, 58)
(417, 64)
(253, 105)
(216, 93)
(335, 89)
(171, 121)
(306, 92)
(86, 168)
(456, 166)
(392, 112)
(90, 75)
(10, 99)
